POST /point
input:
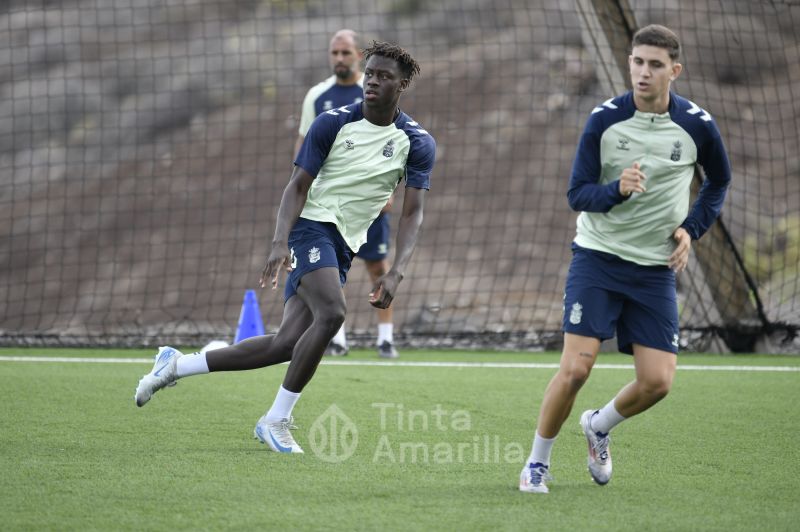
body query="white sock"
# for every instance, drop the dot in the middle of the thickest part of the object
(541, 450)
(283, 405)
(606, 419)
(191, 364)
(340, 337)
(385, 333)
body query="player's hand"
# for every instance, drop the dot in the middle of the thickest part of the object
(680, 257)
(278, 256)
(384, 289)
(632, 180)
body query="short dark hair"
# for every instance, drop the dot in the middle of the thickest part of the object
(408, 66)
(660, 36)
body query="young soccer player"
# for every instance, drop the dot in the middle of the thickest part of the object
(344, 87)
(347, 168)
(630, 180)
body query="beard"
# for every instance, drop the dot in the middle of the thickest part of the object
(343, 72)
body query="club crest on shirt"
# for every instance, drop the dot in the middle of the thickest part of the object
(623, 143)
(313, 255)
(676, 151)
(327, 105)
(388, 150)
(576, 313)
(349, 144)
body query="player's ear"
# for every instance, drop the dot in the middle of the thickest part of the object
(404, 83)
(677, 68)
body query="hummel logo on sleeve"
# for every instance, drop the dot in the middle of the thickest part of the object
(335, 112)
(415, 124)
(694, 109)
(606, 104)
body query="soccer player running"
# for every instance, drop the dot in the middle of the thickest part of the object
(631, 181)
(342, 88)
(349, 165)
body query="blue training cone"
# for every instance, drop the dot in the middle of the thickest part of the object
(250, 323)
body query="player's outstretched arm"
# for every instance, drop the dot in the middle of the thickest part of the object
(408, 229)
(292, 203)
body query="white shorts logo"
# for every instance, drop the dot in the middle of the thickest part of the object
(576, 314)
(313, 255)
(293, 258)
(675, 339)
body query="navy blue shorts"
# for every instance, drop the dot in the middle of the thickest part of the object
(606, 294)
(314, 245)
(377, 245)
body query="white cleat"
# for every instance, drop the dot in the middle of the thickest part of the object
(276, 435)
(534, 478)
(164, 373)
(599, 460)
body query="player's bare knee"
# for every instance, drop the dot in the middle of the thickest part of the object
(331, 318)
(655, 388)
(577, 380)
(575, 375)
(662, 389)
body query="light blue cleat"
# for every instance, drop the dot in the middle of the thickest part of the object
(276, 435)
(164, 373)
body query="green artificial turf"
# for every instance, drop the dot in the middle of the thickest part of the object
(390, 447)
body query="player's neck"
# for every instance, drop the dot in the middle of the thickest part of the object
(381, 116)
(655, 106)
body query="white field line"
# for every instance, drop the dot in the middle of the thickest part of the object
(422, 364)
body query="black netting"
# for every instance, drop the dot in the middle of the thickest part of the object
(144, 146)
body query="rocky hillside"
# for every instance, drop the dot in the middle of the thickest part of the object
(144, 146)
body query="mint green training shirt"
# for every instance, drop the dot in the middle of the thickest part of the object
(357, 165)
(667, 146)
